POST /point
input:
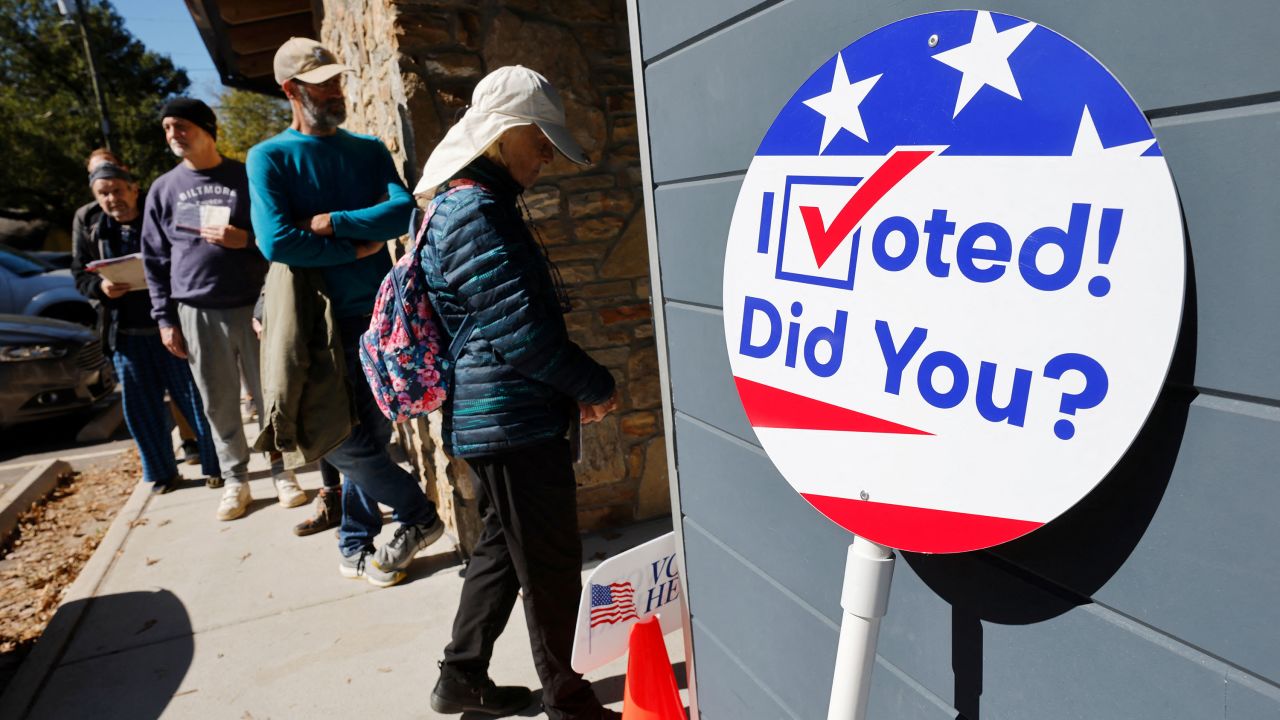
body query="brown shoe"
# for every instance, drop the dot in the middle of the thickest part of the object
(328, 513)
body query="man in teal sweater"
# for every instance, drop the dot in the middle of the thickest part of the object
(326, 198)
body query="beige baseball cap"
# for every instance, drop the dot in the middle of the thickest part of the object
(505, 98)
(306, 60)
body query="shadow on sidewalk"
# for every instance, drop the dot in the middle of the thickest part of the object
(425, 566)
(609, 690)
(534, 710)
(106, 673)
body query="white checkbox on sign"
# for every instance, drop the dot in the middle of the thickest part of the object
(812, 249)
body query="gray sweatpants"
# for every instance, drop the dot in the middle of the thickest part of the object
(221, 344)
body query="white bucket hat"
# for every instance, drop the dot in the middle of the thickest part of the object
(505, 98)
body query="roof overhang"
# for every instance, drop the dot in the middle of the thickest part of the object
(242, 36)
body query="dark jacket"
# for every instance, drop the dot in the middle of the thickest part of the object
(519, 378)
(306, 404)
(86, 215)
(100, 237)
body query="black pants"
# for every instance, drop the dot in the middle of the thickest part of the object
(329, 475)
(528, 503)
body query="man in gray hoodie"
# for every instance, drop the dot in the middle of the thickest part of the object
(205, 272)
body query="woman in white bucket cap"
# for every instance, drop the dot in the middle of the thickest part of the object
(519, 386)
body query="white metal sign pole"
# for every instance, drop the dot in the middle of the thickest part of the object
(868, 570)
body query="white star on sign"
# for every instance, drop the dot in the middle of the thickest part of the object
(985, 59)
(840, 106)
(1088, 143)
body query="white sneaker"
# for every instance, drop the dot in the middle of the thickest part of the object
(287, 490)
(235, 500)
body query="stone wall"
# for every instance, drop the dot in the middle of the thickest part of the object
(418, 61)
(359, 32)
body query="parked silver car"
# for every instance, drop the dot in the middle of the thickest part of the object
(49, 368)
(31, 286)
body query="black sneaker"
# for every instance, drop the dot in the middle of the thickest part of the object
(458, 692)
(161, 488)
(190, 452)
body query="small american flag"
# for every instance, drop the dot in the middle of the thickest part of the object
(612, 603)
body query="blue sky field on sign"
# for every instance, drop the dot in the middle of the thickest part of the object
(166, 27)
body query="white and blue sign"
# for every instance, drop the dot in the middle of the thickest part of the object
(630, 587)
(953, 281)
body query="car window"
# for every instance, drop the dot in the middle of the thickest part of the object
(22, 264)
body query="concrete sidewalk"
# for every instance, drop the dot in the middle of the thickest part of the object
(179, 615)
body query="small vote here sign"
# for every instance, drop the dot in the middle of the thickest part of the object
(629, 587)
(953, 281)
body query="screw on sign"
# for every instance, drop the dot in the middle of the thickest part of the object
(953, 281)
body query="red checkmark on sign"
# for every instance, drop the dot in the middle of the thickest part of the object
(823, 238)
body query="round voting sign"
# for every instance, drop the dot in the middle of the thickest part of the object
(953, 281)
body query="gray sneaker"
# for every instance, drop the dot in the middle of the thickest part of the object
(355, 567)
(408, 541)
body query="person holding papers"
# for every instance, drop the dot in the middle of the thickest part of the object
(205, 272)
(144, 367)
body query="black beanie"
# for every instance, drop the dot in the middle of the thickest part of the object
(194, 111)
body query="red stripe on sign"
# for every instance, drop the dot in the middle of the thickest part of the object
(825, 239)
(919, 529)
(769, 407)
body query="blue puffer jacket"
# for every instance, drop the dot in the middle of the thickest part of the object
(519, 378)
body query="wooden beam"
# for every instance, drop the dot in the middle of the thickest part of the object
(255, 37)
(257, 64)
(237, 12)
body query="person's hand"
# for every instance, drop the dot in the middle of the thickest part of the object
(320, 224)
(173, 341)
(365, 249)
(227, 236)
(257, 328)
(588, 414)
(114, 290)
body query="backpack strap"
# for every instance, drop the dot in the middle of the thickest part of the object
(422, 245)
(460, 340)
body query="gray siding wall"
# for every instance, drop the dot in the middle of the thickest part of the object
(1159, 595)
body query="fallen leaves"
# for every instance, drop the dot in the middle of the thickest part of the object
(53, 541)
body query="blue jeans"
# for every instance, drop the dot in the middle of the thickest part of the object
(146, 369)
(371, 476)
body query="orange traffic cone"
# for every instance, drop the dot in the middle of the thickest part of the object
(651, 692)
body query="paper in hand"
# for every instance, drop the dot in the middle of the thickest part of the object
(214, 215)
(126, 269)
(192, 217)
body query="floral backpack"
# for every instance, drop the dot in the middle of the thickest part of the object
(400, 351)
